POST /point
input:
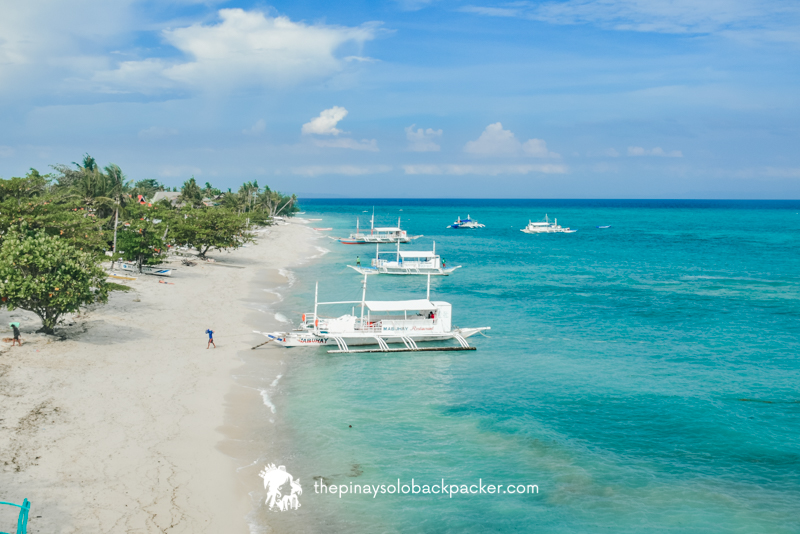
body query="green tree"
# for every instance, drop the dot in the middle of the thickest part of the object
(211, 191)
(211, 228)
(147, 188)
(28, 205)
(191, 194)
(48, 276)
(143, 241)
(117, 190)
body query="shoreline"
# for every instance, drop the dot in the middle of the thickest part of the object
(122, 425)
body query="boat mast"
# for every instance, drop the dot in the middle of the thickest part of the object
(316, 321)
(398, 251)
(428, 296)
(372, 221)
(377, 252)
(356, 226)
(363, 298)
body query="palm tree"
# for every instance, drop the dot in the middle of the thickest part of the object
(117, 191)
(90, 188)
(191, 193)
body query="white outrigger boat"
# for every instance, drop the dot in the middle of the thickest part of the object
(389, 234)
(146, 269)
(407, 262)
(546, 227)
(466, 223)
(381, 323)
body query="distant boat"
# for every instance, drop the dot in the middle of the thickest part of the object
(323, 229)
(546, 227)
(407, 262)
(609, 226)
(389, 234)
(466, 223)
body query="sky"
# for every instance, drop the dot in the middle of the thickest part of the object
(412, 98)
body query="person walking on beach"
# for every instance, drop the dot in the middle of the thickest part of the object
(210, 339)
(15, 329)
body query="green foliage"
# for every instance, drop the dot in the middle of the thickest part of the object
(30, 204)
(141, 237)
(210, 191)
(79, 204)
(211, 228)
(48, 276)
(111, 286)
(191, 194)
(147, 188)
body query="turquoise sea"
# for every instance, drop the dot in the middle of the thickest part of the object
(645, 377)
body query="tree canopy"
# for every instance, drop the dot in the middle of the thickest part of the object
(211, 228)
(48, 276)
(55, 229)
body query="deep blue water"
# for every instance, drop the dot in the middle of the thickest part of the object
(645, 377)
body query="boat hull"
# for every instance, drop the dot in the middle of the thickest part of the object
(146, 269)
(559, 231)
(404, 271)
(383, 241)
(310, 339)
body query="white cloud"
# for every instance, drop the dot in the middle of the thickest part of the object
(157, 132)
(490, 170)
(538, 149)
(657, 151)
(245, 48)
(326, 123)
(370, 145)
(49, 39)
(6, 151)
(256, 129)
(772, 19)
(347, 170)
(495, 141)
(492, 11)
(421, 140)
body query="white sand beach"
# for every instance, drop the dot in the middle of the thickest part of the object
(119, 426)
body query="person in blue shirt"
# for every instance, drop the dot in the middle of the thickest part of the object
(210, 339)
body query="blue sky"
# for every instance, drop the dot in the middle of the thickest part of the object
(414, 98)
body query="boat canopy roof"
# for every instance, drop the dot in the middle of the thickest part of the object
(414, 253)
(387, 229)
(539, 224)
(399, 305)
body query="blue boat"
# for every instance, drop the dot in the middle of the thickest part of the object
(466, 223)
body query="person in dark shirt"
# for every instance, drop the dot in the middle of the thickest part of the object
(15, 329)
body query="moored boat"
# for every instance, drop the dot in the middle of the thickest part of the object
(389, 234)
(546, 227)
(381, 323)
(155, 270)
(467, 223)
(407, 262)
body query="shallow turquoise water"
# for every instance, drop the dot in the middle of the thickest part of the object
(645, 377)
